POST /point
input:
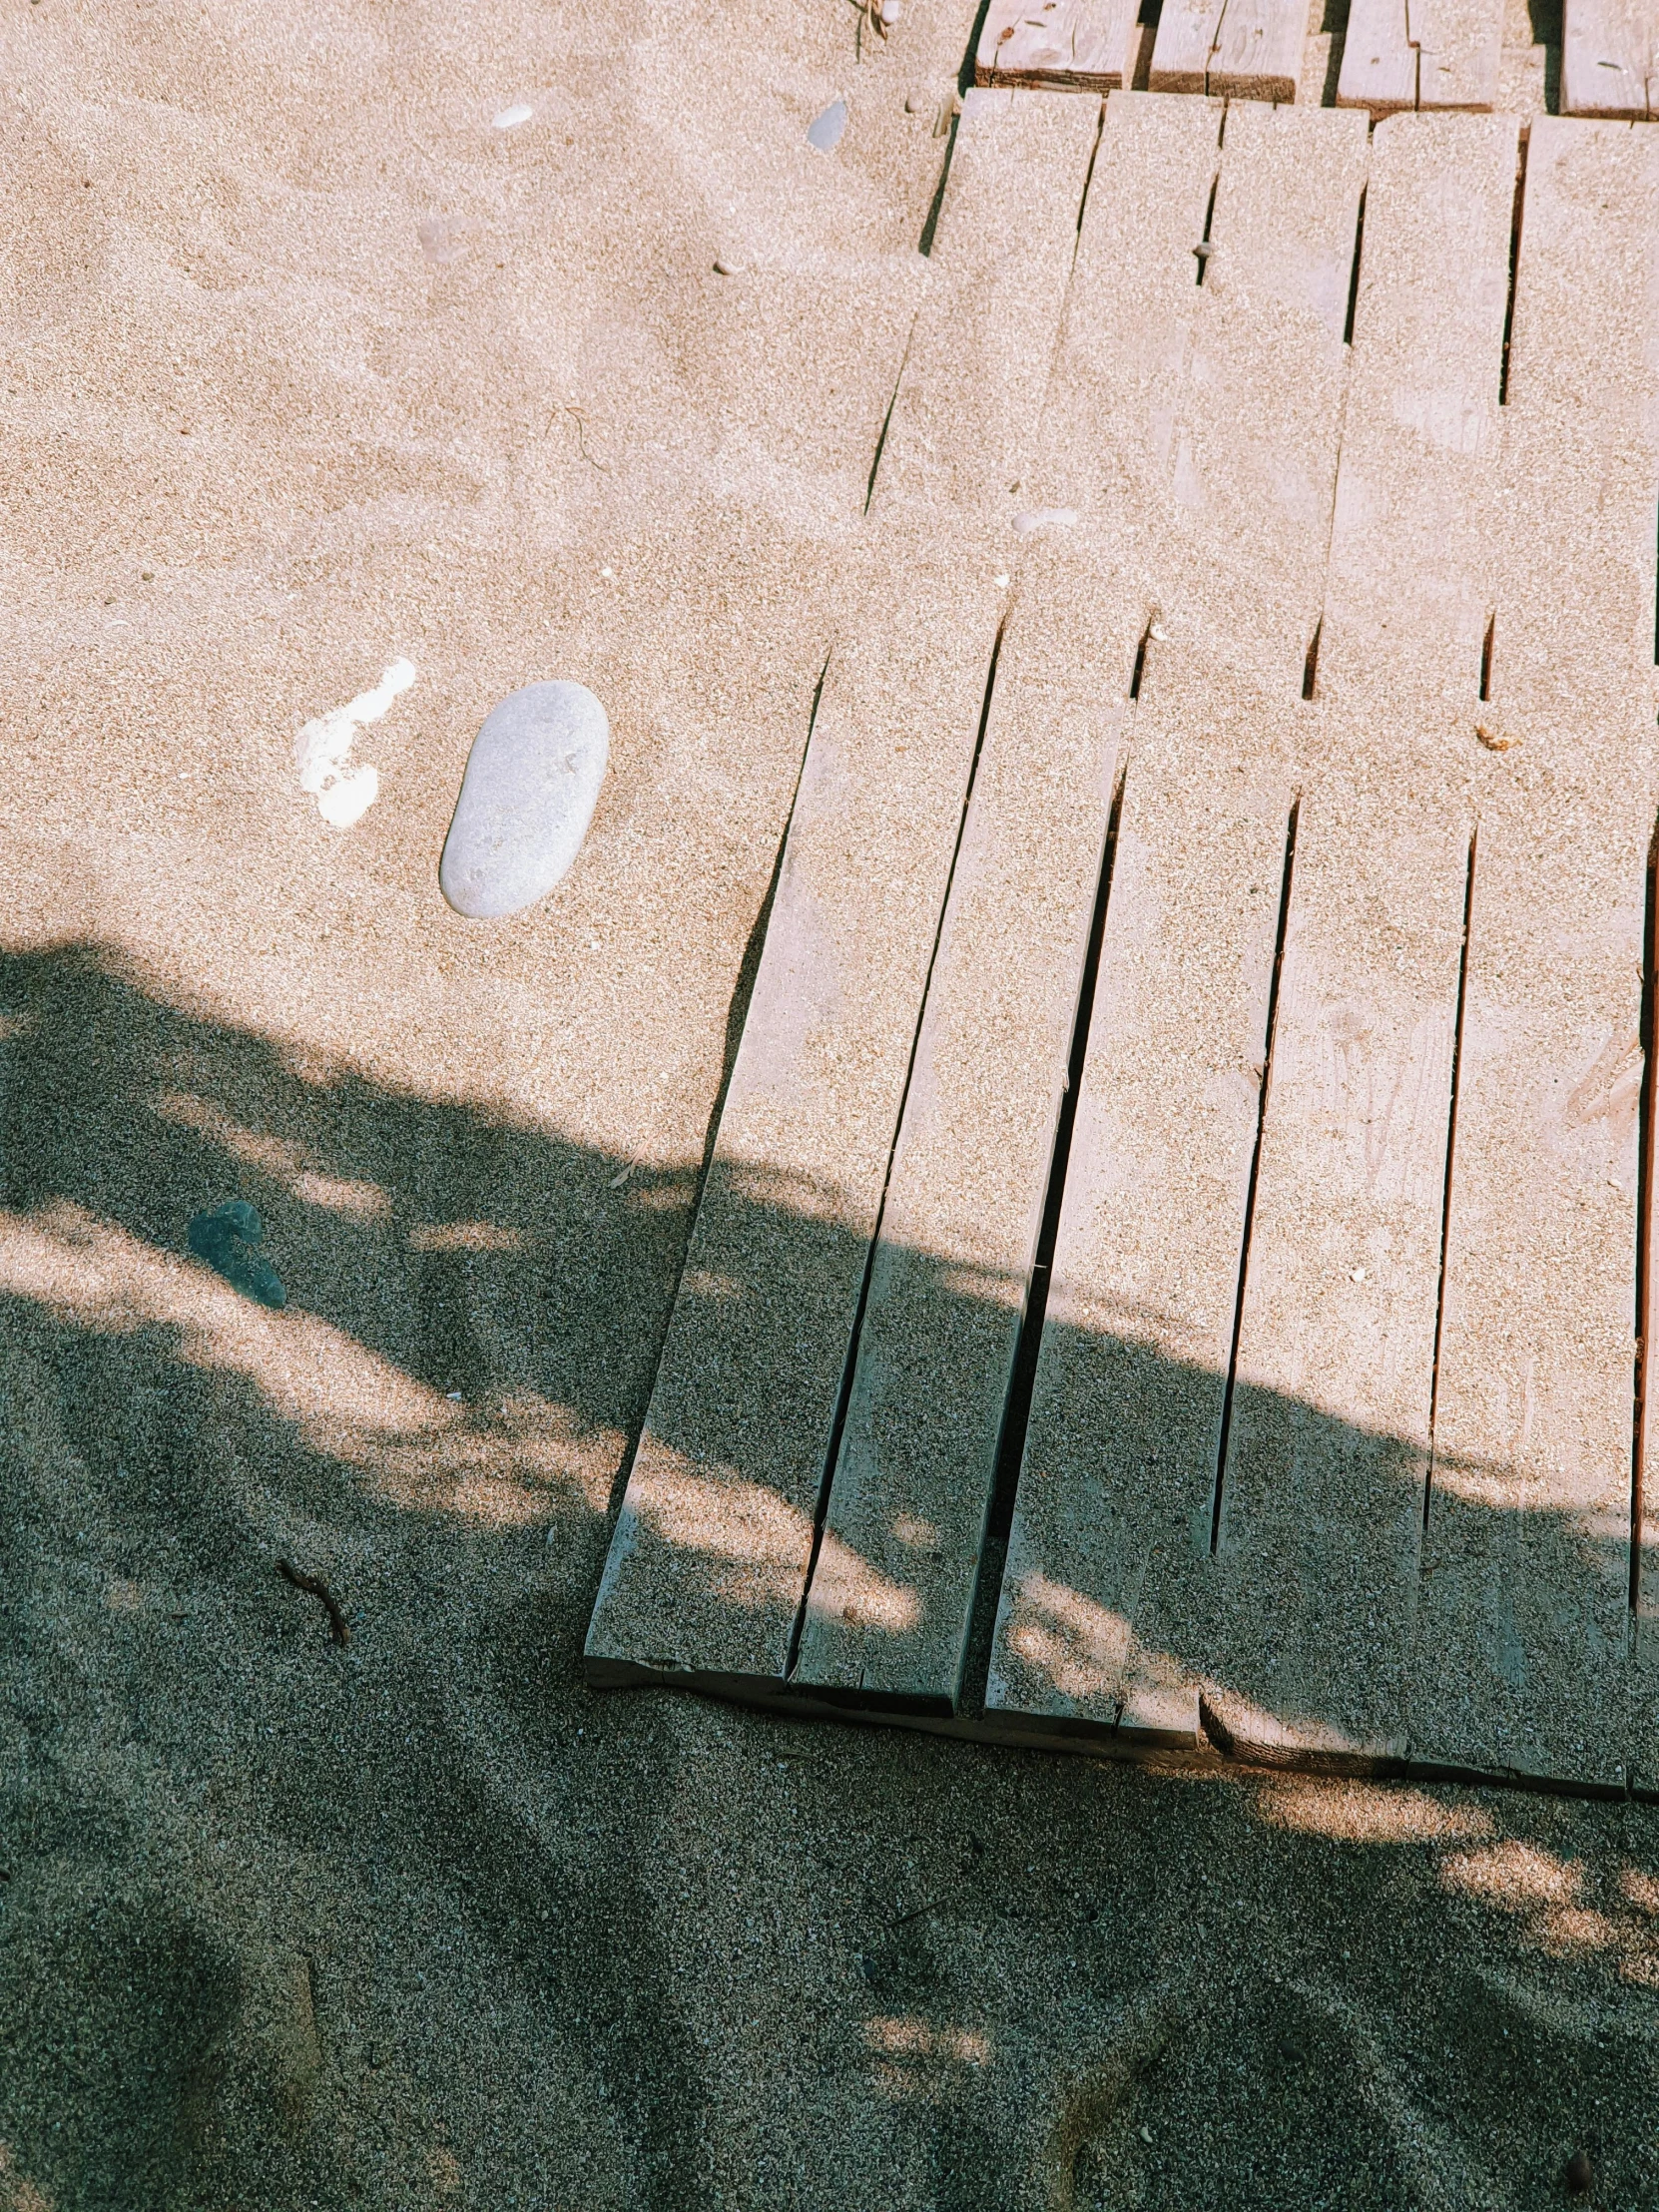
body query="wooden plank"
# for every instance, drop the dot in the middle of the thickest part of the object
(1524, 1614)
(1327, 1448)
(1421, 54)
(1408, 592)
(1108, 432)
(1108, 1609)
(968, 404)
(1520, 1663)
(1231, 49)
(708, 1563)
(1610, 59)
(918, 1452)
(1106, 1600)
(1059, 45)
(952, 1268)
(1244, 528)
(1185, 42)
(1258, 49)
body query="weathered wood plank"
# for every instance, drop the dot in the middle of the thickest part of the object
(1610, 59)
(1258, 49)
(1108, 1610)
(1327, 1448)
(709, 1561)
(1524, 1612)
(952, 1268)
(1239, 50)
(1185, 42)
(1421, 54)
(1059, 45)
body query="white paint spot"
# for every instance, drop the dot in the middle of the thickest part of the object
(322, 751)
(1044, 518)
(1001, 582)
(510, 118)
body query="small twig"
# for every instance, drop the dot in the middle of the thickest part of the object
(592, 459)
(921, 1911)
(315, 1586)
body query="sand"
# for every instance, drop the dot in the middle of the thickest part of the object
(309, 367)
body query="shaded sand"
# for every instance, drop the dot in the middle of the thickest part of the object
(311, 366)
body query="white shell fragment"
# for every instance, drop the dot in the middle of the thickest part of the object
(322, 751)
(1044, 518)
(532, 780)
(510, 118)
(825, 130)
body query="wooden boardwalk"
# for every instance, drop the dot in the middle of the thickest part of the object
(1172, 1274)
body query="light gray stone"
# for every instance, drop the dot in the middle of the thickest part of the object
(532, 778)
(826, 130)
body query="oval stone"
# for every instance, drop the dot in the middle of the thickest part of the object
(825, 130)
(532, 780)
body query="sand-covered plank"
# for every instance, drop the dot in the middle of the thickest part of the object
(709, 1561)
(1328, 1445)
(1109, 424)
(1254, 424)
(1525, 1615)
(1409, 595)
(1106, 1597)
(1058, 45)
(952, 1269)
(1610, 58)
(971, 395)
(1108, 1603)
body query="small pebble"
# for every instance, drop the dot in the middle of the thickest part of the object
(723, 267)
(226, 1238)
(532, 780)
(918, 103)
(891, 12)
(510, 118)
(826, 130)
(1580, 2174)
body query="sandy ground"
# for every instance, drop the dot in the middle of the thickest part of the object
(309, 366)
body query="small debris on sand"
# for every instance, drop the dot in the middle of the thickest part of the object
(226, 1238)
(1578, 2174)
(1494, 739)
(315, 1586)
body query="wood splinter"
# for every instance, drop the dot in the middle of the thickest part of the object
(315, 1586)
